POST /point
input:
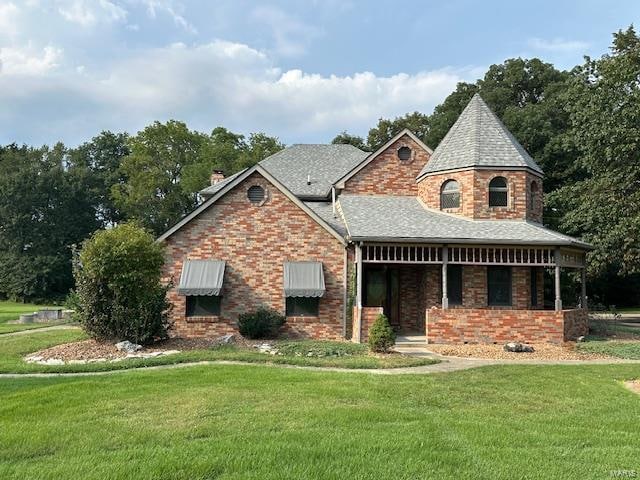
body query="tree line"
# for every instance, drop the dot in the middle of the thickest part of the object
(582, 126)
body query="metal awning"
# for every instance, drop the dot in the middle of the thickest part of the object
(303, 279)
(201, 277)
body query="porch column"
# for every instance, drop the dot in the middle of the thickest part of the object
(557, 279)
(359, 290)
(445, 261)
(583, 292)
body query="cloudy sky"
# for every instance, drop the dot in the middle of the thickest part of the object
(302, 71)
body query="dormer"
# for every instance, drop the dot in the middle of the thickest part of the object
(480, 171)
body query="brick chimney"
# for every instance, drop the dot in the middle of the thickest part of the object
(217, 176)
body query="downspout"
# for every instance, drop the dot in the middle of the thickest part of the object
(333, 200)
(345, 292)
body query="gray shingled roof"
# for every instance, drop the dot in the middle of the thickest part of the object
(325, 163)
(370, 217)
(325, 211)
(478, 139)
(213, 189)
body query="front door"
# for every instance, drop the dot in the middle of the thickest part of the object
(382, 289)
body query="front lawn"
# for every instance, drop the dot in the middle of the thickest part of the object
(251, 422)
(14, 348)
(12, 311)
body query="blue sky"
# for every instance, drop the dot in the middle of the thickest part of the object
(302, 71)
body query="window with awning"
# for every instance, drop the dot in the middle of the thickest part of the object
(201, 278)
(303, 279)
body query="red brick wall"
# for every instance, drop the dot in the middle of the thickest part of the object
(255, 241)
(474, 194)
(501, 326)
(387, 174)
(369, 315)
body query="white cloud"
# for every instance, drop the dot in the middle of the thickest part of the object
(28, 60)
(291, 36)
(8, 18)
(218, 83)
(170, 8)
(89, 12)
(557, 45)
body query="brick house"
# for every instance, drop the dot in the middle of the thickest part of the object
(448, 244)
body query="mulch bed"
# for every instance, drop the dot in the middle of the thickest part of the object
(93, 349)
(496, 352)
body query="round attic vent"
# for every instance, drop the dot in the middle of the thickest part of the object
(404, 153)
(256, 194)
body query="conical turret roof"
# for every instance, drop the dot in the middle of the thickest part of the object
(478, 139)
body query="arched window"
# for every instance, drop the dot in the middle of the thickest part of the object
(533, 194)
(498, 192)
(450, 195)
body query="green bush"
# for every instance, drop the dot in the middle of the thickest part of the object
(381, 335)
(263, 323)
(118, 289)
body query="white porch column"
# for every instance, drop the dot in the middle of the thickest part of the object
(583, 291)
(359, 290)
(445, 261)
(557, 280)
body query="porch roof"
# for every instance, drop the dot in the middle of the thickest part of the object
(386, 218)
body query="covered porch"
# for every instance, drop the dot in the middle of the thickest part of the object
(467, 293)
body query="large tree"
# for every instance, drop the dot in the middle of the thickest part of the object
(45, 208)
(344, 138)
(386, 129)
(603, 102)
(100, 160)
(151, 192)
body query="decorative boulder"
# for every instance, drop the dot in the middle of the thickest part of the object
(518, 347)
(128, 347)
(227, 339)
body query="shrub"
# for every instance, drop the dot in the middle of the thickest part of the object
(263, 323)
(381, 335)
(119, 294)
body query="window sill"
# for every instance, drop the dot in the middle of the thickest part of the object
(207, 319)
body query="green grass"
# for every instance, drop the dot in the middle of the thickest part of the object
(12, 311)
(14, 347)
(250, 422)
(613, 348)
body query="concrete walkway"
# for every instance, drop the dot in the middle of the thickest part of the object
(448, 364)
(39, 329)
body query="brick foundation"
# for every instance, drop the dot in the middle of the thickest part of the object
(465, 325)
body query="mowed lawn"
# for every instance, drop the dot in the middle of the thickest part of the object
(261, 422)
(12, 311)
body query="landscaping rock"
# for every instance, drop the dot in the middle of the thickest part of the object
(53, 361)
(266, 348)
(226, 339)
(518, 347)
(128, 347)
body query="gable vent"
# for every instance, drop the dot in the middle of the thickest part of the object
(256, 194)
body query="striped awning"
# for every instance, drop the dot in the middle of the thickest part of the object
(201, 277)
(303, 279)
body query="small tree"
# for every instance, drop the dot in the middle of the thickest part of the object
(381, 335)
(119, 293)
